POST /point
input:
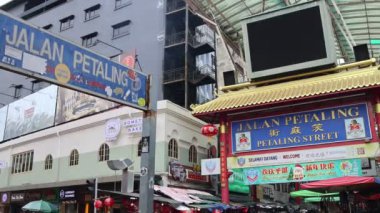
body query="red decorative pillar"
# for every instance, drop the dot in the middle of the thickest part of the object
(223, 161)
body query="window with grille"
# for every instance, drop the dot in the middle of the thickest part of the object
(104, 152)
(90, 39)
(173, 149)
(22, 162)
(49, 162)
(122, 3)
(74, 158)
(92, 12)
(193, 154)
(121, 29)
(67, 23)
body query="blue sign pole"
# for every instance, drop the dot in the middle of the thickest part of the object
(30, 51)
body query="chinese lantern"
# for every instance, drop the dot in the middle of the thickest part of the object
(109, 202)
(98, 204)
(209, 130)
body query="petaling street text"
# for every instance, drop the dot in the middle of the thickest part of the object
(298, 139)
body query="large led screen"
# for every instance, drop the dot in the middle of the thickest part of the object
(31, 113)
(72, 105)
(3, 117)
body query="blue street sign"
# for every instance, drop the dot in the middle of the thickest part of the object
(30, 51)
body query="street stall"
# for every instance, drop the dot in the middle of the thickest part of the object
(356, 194)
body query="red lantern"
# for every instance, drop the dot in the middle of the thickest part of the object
(98, 204)
(209, 130)
(109, 202)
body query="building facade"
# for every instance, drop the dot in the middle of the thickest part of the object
(121, 30)
(54, 163)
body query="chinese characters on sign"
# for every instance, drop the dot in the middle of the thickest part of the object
(329, 125)
(301, 172)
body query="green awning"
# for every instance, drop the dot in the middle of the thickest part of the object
(319, 199)
(308, 193)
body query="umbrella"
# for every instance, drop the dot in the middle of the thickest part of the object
(40, 206)
(308, 193)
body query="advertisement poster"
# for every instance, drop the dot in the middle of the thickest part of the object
(301, 172)
(3, 117)
(329, 125)
(31, 113)
(72, 105)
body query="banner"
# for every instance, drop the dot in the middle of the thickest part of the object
(31, 113)
(301, 172)
(210, 166)
(3, 117)
(330, 125)
(72, 105)
(366, 150)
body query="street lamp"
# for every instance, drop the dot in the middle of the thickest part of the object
(121, 165)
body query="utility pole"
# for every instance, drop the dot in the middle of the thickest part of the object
(148, 153)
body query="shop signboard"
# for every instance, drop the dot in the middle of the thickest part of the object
(67, 194)
(366, 150)
(30, 51)
(5, 198)
(322, 126)
(17, 197)
(301, 172)
(3, 117)
(31, 113)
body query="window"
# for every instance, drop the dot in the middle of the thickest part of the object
(74, 158)
(173, 148)
(122, 3)
(193, 154)
(22, 162)
(67, 23)
(121, 29)
(49, 162)
(211, 153)
(104, 152)
(90, 39)
(92, 12)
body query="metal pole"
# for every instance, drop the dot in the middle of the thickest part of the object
(95, 192)
(147, 165)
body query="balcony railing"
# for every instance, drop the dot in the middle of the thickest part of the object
(194, 74)
(175, 5)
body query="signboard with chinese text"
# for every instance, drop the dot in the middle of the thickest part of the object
(301, 172)
(366, 150)
(29, 51)
(337, 124)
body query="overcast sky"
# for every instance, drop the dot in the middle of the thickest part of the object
(4, 2)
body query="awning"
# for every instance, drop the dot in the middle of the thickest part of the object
(343, 183)
(294, 90)
(308, 193)
(319, 199)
